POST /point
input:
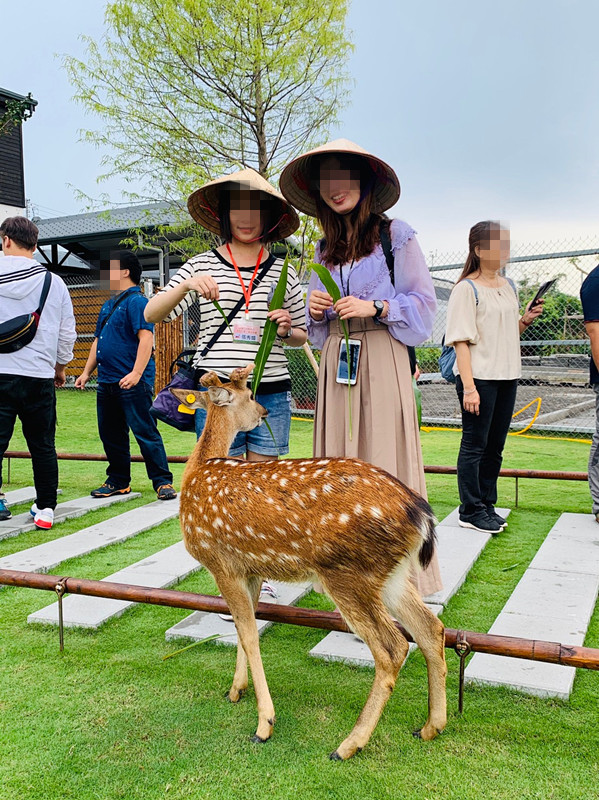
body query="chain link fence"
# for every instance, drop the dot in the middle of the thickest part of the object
(553, 394)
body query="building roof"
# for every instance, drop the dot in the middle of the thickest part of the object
(6, 95)
(108, 224)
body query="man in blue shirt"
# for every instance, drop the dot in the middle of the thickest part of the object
(589, 295)
(122, 351)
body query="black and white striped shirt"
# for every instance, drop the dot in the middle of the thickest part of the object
(226, 355)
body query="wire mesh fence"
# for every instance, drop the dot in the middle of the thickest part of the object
(554, 387)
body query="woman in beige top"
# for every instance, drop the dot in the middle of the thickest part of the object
(484, 327)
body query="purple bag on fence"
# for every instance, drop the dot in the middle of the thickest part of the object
(165, 406)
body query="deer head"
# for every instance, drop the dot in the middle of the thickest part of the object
(232, 396)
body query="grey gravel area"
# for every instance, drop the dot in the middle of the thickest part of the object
(439, 400)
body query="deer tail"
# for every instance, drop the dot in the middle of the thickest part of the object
(429, 535)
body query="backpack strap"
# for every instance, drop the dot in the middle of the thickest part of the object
(513, 285)
(473, 288)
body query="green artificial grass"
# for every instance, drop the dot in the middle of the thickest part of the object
(108, 719)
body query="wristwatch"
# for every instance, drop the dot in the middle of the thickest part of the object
(287, 335)
(379, 307)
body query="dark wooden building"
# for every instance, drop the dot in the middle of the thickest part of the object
(12, 176)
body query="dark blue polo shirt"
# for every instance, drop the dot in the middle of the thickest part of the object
(117, 340)
(589, 295)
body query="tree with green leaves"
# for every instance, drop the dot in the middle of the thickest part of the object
(185, 90)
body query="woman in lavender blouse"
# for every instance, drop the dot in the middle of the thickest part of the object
(348, 189)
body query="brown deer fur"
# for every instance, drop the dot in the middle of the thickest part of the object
(354, 527)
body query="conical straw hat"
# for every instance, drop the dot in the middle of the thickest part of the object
(203, 203)
(295, 178)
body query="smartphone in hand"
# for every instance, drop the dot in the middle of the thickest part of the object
(542, 290)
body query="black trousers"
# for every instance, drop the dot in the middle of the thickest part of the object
(483, 439)
(33, 401)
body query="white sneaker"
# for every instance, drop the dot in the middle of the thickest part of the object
(268, 594)
(43, 518)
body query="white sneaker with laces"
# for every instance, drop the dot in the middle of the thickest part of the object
(268, 594)
(43, 518)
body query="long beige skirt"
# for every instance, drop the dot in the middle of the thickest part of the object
(384, 417)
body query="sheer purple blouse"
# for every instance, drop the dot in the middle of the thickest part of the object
(412, 302)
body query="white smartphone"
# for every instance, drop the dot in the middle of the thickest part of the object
(347, 368)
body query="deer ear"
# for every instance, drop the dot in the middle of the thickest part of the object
(219, 395)
(210, 379)
(240, 376)
(189, 397)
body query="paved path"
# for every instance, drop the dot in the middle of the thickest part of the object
(554, 601)
(160, 570)
(72, 508)
(457, 550)
(46, 556)
(201, 624)
(25, 495)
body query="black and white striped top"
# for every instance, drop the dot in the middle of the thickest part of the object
(226, 354)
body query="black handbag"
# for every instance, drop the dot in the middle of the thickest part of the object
(19, 331)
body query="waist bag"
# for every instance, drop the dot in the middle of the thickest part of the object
(19, 331)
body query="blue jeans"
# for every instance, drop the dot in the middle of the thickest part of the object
(118, 411)
(259, 439)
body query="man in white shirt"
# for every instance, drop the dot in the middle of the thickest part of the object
(28, 376)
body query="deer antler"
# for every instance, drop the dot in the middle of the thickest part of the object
(239, 376)
(210, 379)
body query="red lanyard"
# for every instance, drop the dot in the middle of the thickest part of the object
(247, 293)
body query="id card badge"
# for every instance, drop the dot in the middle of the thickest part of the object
(347, 368)
(246, 331)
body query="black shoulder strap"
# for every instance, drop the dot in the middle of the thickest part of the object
(385, 237)
(234, 311)
(119, 299)
(45, 290)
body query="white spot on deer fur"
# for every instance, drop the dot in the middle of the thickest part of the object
(205, 545)
(343, 519)
(282, 531)
(283, 482)
(249, 530)
(226, 490)
(357, 509)
(295, 545)
(218, 523)
(323, 461)
(327, 488)
(214, 508)
(270, 500)
(209, 479)
(375, 512)
(366, 481)
(231, 463)
(313, 494)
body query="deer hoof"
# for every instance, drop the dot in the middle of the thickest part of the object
(335, 756)
(257, 739)
(417, 734)
(233, 698)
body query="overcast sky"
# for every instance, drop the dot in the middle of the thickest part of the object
(485, 110)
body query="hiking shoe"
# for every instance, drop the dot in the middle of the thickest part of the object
(480, 522)
(43, 518)
(4, 512)
(166, 492)
(494, 516)
(108, 490)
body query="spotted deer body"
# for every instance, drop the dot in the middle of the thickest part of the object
(352, 526)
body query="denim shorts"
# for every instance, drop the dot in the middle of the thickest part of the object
(259, 440)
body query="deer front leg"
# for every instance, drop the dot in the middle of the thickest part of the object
(240, 679)
(241, 605)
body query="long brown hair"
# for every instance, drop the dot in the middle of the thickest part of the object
(479, 234)
(365, 223)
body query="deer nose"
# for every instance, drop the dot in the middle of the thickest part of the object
(264, 412)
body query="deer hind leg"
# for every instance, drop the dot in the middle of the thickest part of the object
(428, 633)
(241, 604)
(367, 616)
(240, 679)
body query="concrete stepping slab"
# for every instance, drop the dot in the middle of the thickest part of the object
(25, 495)
(21, 523)
(201, 624)
(159, 571)
(46, 556)
(347, 648)
(553, 601)
(457, 550)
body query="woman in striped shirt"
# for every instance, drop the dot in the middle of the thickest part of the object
(247, 213)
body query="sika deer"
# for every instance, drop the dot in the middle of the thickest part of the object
(351, 525)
